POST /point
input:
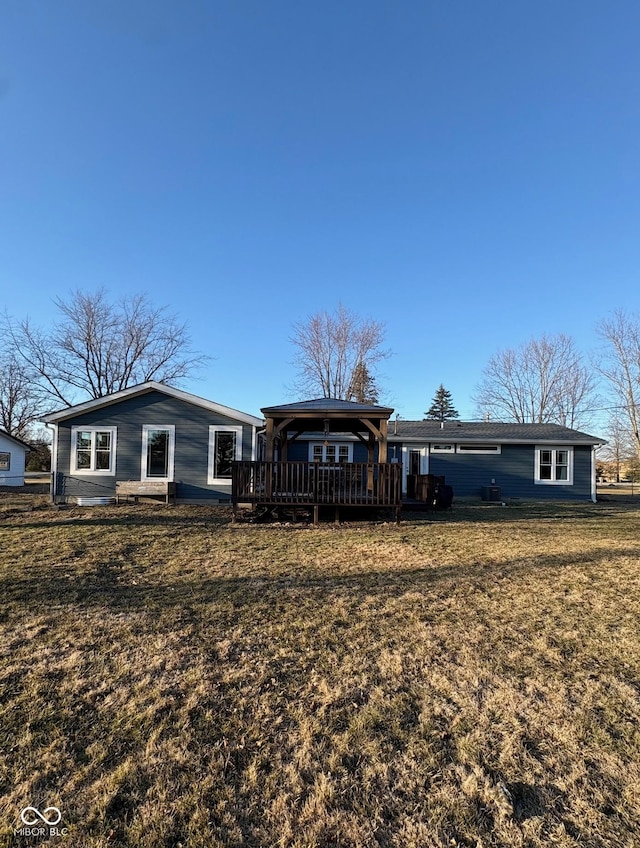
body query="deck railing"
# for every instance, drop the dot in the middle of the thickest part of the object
(375, 484)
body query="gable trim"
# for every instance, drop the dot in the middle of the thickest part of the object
(146, 388)
(15, 440)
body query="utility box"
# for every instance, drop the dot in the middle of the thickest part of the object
(491, 493)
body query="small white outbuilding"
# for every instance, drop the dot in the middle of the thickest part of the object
(13, 454)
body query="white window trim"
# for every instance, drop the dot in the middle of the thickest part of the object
(489, 450)
(102, 472)
(337, 444)
(443, 447)
(222, 428)
(554, 448)
(146, 428)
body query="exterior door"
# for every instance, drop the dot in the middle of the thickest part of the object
(415, 460)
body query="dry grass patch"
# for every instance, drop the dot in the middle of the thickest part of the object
(167, 678)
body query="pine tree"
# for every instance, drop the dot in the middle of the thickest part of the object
(441, 409)
(363, 388)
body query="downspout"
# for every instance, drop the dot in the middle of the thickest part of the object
(54, 461)
(594, 497)
(256, 442)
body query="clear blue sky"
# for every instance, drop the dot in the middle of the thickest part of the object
(467, 171)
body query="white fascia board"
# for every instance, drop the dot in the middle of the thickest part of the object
(14, 441)
(145, 388)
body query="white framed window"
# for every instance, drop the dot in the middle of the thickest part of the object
(5, 461)
(471, 448)
(158, 451)
(332, 452)
(554, 466)
(443, 448)
(225, 446)
(93, 450)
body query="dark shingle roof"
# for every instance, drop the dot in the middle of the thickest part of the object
(488, 431)
(328, 405)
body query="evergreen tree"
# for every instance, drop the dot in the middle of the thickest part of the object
(441, 409)
(363, 388)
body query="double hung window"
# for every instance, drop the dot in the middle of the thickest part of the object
(554, 465)
(335, 453)
(93, 450)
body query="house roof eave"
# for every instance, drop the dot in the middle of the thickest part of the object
(146, 388)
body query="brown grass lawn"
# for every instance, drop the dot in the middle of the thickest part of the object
(470, 679)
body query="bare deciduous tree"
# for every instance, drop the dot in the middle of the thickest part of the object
(20, 401)
(620, 365)
(97, 347)
(334, 351)
(620, 445)
(542, 381)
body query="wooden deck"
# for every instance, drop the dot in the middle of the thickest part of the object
(374, 485)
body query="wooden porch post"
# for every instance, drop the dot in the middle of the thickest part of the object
(382, 450)
(268, 473)
(371, 446)
(269, 445)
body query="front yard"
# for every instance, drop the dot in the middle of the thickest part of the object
(470, 679)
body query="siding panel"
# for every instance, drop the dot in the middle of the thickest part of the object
(513, 470)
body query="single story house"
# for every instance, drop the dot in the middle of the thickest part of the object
(153, 432)
(150, 433)
(13, 454)
(478, 459)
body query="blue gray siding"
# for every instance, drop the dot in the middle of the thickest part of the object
(513, 471)
(191, 447)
